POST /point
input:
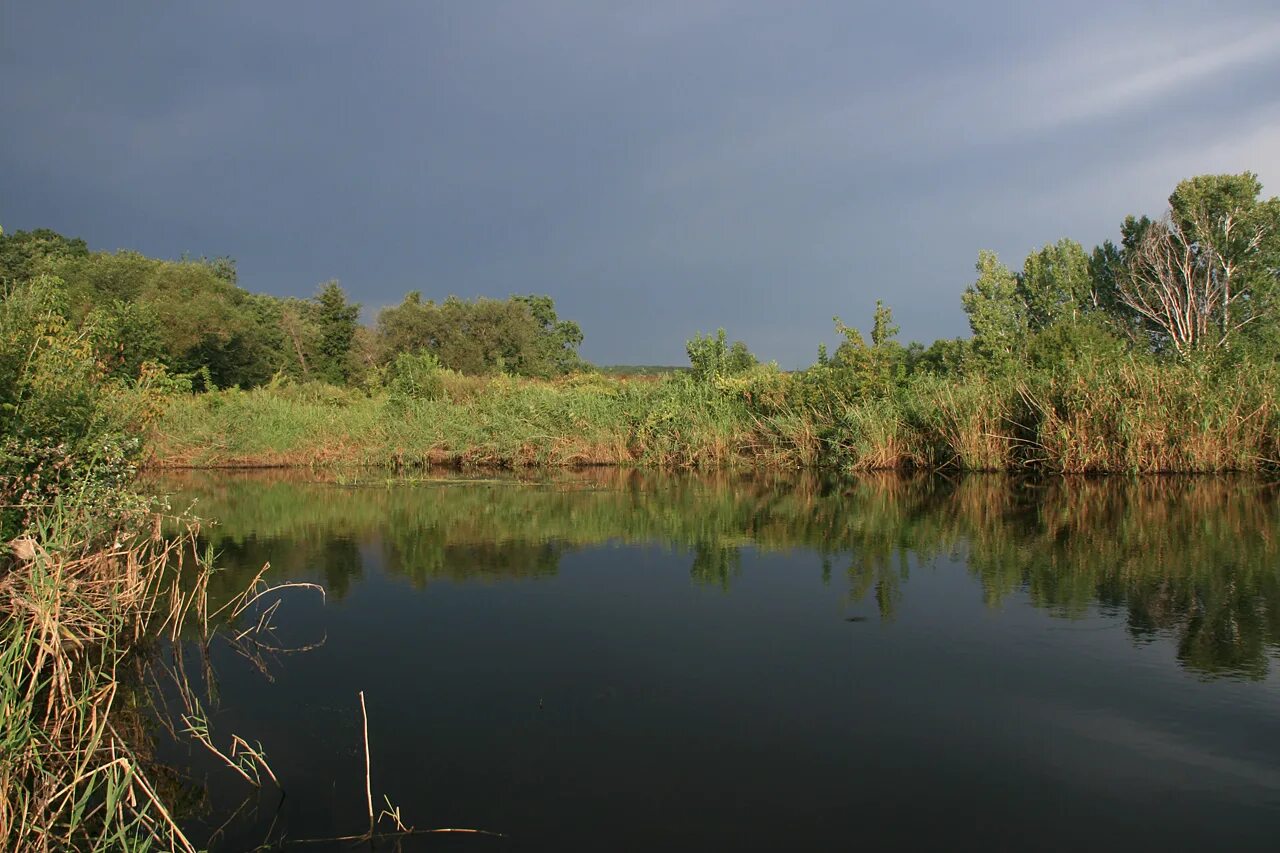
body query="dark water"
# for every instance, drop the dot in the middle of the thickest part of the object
(613, 661)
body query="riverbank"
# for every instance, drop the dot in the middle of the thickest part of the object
(1135, 417)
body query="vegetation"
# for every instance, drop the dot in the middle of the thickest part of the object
(521, 336)
(90, 590)
(1156, 353)
(79, 581)
(1124, 416)
(193, 318)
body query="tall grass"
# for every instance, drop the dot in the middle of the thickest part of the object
(1126, 417)
(87, 583)
(1183, 418)
(69, 617)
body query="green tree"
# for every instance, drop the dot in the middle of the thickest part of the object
(1238, 236)
(127, 335)
(712, 356)
(520, 335)
(883, 330)
(997, 315)
(190, 315)
(871, 369)
(1206, 273)
(555, 349)
(943, 357)
(1055, 284)
(336, 319)
(23, 254)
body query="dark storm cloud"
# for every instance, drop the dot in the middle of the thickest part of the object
(658, 167)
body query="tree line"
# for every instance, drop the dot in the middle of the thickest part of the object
(1199, 281)
(193, 317)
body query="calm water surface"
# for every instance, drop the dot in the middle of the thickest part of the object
(612, 660)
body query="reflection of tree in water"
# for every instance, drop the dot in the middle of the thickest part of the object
(1196, 559)
(715, 564)
(868, 573)
(340, 561)
(473, 561)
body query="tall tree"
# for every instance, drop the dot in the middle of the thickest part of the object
(22, 253)
(520, 335)
(1207, 271)
(557, 340)
(1055, 284)
(996, 312)
(337, 319)
(883, 330)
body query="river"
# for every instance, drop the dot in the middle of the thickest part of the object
(609, 660)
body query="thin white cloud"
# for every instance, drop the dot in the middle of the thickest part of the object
(1105, 74)
(1080, 78)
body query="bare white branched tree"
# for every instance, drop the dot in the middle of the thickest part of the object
(1196, 276)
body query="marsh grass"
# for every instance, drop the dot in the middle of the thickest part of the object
(1181, 419)
(92, 589)
(83, 621)
(1133, 417)
(69, 617)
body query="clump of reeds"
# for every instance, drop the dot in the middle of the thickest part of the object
(69, 617)
(1147, 419)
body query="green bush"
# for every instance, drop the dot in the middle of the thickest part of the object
(712, 356)
(415, 376)
(70, 431)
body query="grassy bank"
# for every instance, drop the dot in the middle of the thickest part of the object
(1134, 416)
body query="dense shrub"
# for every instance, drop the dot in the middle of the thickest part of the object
(68, 427)
(415, 376)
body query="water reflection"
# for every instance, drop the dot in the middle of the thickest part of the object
(1195, 559)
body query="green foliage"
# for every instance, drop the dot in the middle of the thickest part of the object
(521, 335)
(711, 357)
(25, 254)
(415, 376)
(1055, 285)
(944, 357)
(555, 346)
(883, 330)
(336, 321)
(1238, 234)
(1043, 341)
(997, 314)
(1073, 345)
(192, 316)
(871, 369)
(68, 430)
(127, 335)
(740, 359)
(187, 314)
(1204, 277)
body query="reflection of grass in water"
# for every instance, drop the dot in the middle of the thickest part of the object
(1194, 557)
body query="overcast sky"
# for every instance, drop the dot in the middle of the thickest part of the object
(657, 167)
